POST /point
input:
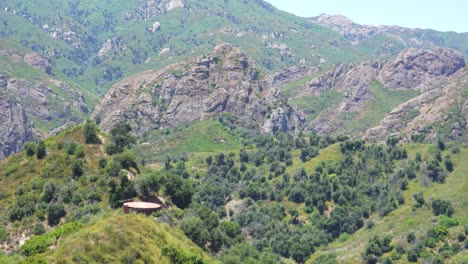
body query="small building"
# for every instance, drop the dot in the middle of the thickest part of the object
(141, 207)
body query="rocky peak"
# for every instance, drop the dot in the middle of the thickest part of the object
(353, 32)
(419, 69)
(225, 80)
(288, 75)
(413, 69)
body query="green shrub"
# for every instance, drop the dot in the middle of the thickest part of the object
(79, 152)
(90, 133)
(55, 212)
(38, 229)
(447, 222)
(38, 244)
(12, 168)
(30, 148)
(70, 147)
(102, 162)
(41, 151)
(78, 168)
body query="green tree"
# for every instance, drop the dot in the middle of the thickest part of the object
(55, 211)
(41, 150)
(48, 192)
(30, 148)
(90, 133)
(121, 137)
(78, 168)
(194, 228)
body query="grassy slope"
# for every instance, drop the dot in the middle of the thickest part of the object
(118, 238)
(203, 136)
(404, 220)
(382, 103)
(20, 173)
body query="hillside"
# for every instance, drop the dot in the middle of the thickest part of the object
(35, 99)
(263, 137)
(253, 201)
(224, 81)
(412, 218)
(84, 48)
(118, 238)
(417, 92)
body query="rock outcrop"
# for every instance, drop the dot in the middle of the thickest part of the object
(153, 8)
(425, 71)
(37, 61)
(420, 69)
(441, 112)
(42, 101)
(14, 127)
(224, 81)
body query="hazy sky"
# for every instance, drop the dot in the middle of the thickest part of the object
(443, 15)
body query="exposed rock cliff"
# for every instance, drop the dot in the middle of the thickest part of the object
(30, 98)
(424, 71)
(14, 127)
(225, 81)
(441, 112)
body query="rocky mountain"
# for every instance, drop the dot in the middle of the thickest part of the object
(390, 37)
(410, 87)
(224, 81)
(35, 102)
(96, 43)
(15, 129)
(438, 113)
(59, 59)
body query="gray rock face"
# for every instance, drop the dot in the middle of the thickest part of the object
(288, 75)
(440, 110)
(39, 97)
(419, 69)
(37, 61)
(14, 127)
(153, 8)
(225, 81)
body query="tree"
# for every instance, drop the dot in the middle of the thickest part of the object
(55, 212)
(392, 141)
(30, 148)
(77, 168)
(440, 206)
(48, 192)
(41, 150)
(90, 133)
(121, 137)
(448, 163)
(194, 228)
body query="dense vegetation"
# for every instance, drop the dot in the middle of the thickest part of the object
(274, 198)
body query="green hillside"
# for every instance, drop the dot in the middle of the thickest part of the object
(118, 238)
(413, 219)
(72, 34)
(264, 199)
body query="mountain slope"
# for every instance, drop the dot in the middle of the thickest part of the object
(39, 99)
(224, 81)
(360, 96)
(411, 218)
(96, 43)
(382, 40)
(119, 238)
